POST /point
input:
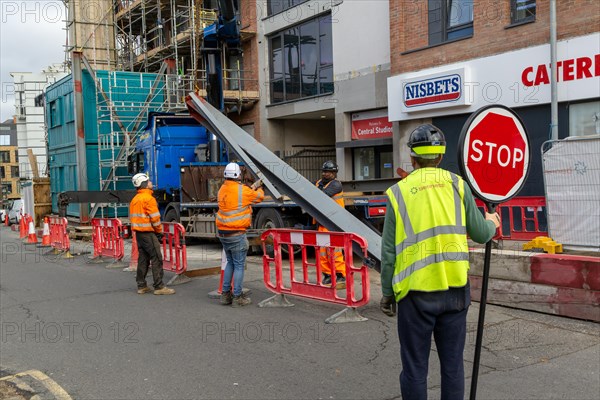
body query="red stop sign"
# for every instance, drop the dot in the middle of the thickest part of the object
(494, 153)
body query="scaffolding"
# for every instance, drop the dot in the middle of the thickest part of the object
(163, 38)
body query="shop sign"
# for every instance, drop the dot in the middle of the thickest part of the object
(371, 126)
(434, 91)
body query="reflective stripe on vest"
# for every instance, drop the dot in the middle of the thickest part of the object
(442, 245)
(242, 213)
(338, 197)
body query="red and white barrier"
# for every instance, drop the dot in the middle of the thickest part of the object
(108, 239)
(307, 281)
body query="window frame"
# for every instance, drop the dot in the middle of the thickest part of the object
(441, 9)
(513, 13)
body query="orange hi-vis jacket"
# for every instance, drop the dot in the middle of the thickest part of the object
(337, 197)
(143, 212)
(235, 199)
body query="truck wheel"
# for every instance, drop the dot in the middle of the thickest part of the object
(269, 218)
(172, 216)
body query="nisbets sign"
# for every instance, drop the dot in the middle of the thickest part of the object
(434, 91)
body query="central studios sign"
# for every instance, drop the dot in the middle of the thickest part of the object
(371, 125)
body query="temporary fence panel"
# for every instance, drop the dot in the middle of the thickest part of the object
(572, 183)
(174, 249)
(59, 235)
(308, 282)
(521, 218)
(107, 236)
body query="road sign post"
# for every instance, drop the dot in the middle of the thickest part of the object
(494, 158)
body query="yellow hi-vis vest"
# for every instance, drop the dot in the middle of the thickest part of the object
(431, 236)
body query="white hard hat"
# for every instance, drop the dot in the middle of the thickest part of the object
(138, 179)
(232, 171)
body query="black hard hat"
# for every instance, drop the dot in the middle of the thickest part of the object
(329, 166)
(427, 141)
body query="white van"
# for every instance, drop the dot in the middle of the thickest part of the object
(15, 212)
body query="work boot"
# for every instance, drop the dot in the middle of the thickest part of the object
(143, 290)
(326, 279)
(340, 281)
(240, 301)
(226, 298)
(164, 290)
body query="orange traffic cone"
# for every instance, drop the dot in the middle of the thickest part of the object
(46, 234)
(32, 237)
(6, 222)
(23, 227)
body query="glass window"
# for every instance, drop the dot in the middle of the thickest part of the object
(276, 70)
(326, 79)
(14, 171)
(291, 62)
(4, 140)
(2, 172)
(449, 20)
(373, 162)
(7, 188)
(5, 156)
(584, 119)
(309, 55)
(522, 11)
(54, 111)
(302, 61)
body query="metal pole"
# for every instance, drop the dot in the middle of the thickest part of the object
(553, 74)
(80, 146)
(482, 303)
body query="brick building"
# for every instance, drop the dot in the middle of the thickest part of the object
(498, 53)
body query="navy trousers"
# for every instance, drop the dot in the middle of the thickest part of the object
(443, 314)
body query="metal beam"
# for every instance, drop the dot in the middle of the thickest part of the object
(284, 178)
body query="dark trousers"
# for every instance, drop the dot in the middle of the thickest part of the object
(149, 255)
(443, 314)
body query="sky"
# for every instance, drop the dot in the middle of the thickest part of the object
(32, 37)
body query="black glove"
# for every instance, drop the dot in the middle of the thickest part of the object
(160, 237)
(388, 305)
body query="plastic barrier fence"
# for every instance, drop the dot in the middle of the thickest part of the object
(173, 248)
(59, 235)
(521, 218)
(307, 282)
(107, 236)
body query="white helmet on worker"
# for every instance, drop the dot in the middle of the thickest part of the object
(139, 179)
(232, 171)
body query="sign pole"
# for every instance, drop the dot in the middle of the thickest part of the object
(482, 302)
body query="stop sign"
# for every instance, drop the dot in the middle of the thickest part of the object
(494, 153)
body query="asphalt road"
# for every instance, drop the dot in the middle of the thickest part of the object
(84, 326)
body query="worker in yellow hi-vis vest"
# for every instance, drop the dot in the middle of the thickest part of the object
(424, 264)
(332, 188)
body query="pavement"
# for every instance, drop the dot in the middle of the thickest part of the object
(82, 326)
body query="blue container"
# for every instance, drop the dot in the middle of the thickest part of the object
(128, 91)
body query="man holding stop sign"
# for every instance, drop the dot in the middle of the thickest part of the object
(424, 264)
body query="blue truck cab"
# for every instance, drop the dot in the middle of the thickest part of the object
(169, 143)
